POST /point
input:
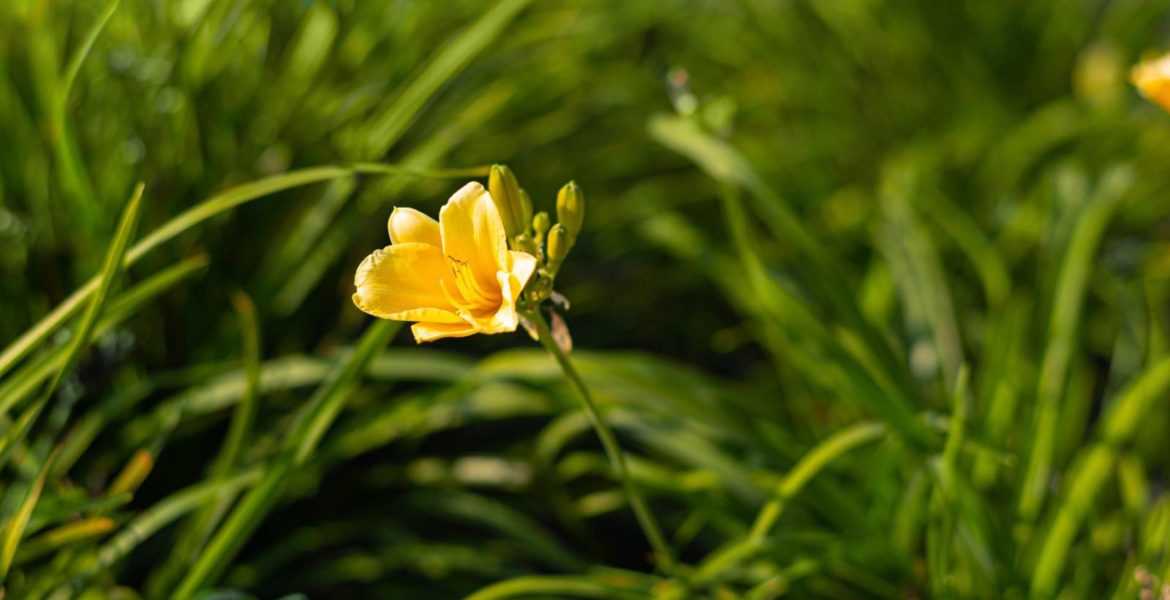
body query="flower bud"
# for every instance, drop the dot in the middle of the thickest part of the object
(525, 214)
(558, 245)
(505, 192)
(571, 209)
(540, 224)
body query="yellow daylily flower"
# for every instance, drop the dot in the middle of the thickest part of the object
(455, 276)
(1152, 78)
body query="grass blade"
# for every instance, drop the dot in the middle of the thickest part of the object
(13, 529)
(1064, 323)
(24, 381)
(75, 180)
(385, 129)
(195, 215)
(111, 267)
(1094, 467)
(246, 409)
(793, 482)
(166, 511)
(202, 524)
(306, 432)
(554, 586)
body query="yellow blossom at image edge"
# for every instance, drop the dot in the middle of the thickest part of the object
(1152, 78)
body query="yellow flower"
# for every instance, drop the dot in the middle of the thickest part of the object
(455, 277)
(1152, 78)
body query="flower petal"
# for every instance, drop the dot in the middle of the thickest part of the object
(1152, 78)
(473, 234)
(511, 283)
(409, 225)
(522, 266)
(429, 332)
(403, 282)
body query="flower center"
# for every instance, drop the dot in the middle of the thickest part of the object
(474, 296)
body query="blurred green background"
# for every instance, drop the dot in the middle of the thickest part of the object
(933, 234)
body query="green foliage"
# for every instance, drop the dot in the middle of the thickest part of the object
(873, 295)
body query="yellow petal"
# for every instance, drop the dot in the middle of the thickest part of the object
(511, 283)
(403, 282)
(409, 225)
(1152, 78)
(429, 332)
(473, 234)
(523, 265)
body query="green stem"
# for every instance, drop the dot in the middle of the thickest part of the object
(617, 458)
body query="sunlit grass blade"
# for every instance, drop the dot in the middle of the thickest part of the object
(725, 164)
(1003, 375)
(319, 413)
(555, 586)
(64, 535)
(484, 511)
(832, 447)
(193, 216)
(1064, 323)
(13, 530)
(305, 433)
(196, 531)
(184, 221)
(74, 177)
(385, 128)
(245, 413)
(988, 261)
(793, 482)
(22, 383)
(774, 303)
(1093, 468)
(111, 268)
(160, 515)
(914, 260)
(664, 553)
(133, 474)
(74, 65)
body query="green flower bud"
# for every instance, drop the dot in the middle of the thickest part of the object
(558, 245)
(505, 192)
(540, 224)
(525, 214)
(571, 209)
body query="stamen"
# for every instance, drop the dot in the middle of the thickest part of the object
(469, 286)
(461, 308)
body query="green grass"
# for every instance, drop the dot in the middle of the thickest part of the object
(872, 294)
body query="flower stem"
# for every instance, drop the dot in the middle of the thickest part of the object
(664, 555)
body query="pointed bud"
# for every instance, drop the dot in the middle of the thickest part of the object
(558, 245)
(571, 209)
(505, 192)
(540, 224)
(525, 214)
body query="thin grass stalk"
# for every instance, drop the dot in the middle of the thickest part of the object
(1094, 468)
(111, 267)
(1069, 300)
(24, 381)
(554, 586)
(195, 215)
(300, 443)
(663, 553)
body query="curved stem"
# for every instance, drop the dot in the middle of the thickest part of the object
(665, 556)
